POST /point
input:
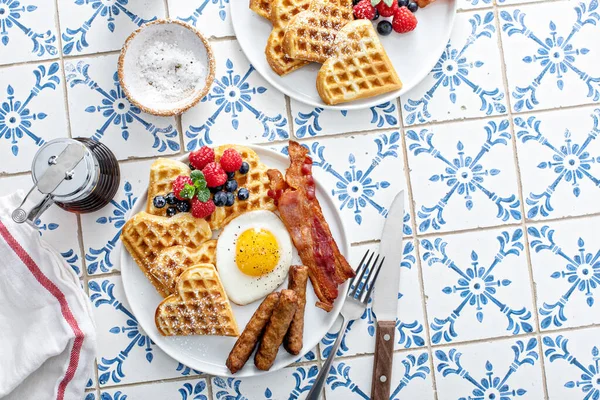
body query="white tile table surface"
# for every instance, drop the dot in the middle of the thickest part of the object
(496, 147)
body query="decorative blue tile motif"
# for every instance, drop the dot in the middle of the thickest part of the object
(111, 369)
(193, 19)
(570, 162)
(11, 12)
(109, 11)
(476, 286)
(414, 367)
(229, 388)
(492, 386)
(17, 119)
(187, 391)
(70, 257)
(355, 188)
(233, 95)
(117, 110)
(410, 334)
(90, 396)
(556, 54)
(452, 70)
(100, 259)
(581, 271)
(464, 175)
(587, 384)
(381, 115)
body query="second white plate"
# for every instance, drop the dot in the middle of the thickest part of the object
(413, 54)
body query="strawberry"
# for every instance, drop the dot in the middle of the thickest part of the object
(387, 8)
(364, 10)
(404, 20)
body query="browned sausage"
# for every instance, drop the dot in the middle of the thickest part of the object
(247, 341)
(297, 282)
(276, 328)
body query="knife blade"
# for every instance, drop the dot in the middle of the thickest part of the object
(385, 298)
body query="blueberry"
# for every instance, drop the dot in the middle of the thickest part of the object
(384, 28)
(376, 16)
(216, 189)
(244, 168)
(403, 3)
(183, 206)
(171, 211)
(230, 175)
(170, 198)
(192, 167)
(231, 186)
(220, 198)
(159, 201)
(355, 2)
(230, 199)
(413, 7)
(243, 194)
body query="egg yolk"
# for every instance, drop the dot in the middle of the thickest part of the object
(257, 252)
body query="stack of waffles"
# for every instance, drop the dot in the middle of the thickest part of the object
(177, 254)
(355, 64)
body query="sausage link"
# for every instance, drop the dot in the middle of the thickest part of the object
(298, 278)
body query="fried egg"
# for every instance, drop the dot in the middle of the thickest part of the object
(254, 253)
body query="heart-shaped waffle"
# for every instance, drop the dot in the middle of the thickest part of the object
(310, 34)
(358, 68)
(146, 235)
(163, 172)
(172, 261)
(282, 12)
(200, 307)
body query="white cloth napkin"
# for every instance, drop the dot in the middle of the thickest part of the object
(47, 334)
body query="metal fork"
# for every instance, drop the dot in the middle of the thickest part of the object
(357, 298)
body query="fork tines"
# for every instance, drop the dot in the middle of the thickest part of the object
(363, 282)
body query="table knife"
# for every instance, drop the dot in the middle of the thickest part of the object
(385, 299)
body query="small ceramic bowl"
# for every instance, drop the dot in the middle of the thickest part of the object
(166, 67)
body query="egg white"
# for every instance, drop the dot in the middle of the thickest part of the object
(244, 289)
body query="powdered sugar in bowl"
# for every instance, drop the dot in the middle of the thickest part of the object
(166, 67)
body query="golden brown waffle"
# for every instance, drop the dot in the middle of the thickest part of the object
(200, 307)
(172, 261)
(310, 34)
(146, 235)
(359, 67)
(257, 183)
(162, 174)
(424, 3)
(261, 7)
(282, 12)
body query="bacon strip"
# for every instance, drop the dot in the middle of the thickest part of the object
(302, 215)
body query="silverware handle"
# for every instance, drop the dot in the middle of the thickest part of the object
(315, 391)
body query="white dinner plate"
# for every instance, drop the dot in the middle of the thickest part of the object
(208, 353)
(413, 54)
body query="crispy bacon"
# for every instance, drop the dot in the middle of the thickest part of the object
(302, 215)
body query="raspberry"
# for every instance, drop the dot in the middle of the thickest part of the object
(387, 10)
(202, 209)
(364, 10)
(231, 160)
(201, 157)
(404, 20)
(178, 185)
(214, 175)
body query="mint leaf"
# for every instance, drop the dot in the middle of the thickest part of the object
(203, 195)
(200, 184)
(388, 2)
(187, 192)
(375, 2)
(197, 175)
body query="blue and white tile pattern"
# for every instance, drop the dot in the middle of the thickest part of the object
(497, 151)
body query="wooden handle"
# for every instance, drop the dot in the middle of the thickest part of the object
(382, 365)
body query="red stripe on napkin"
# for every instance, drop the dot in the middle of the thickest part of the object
(64, 306)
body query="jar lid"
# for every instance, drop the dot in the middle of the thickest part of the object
(77, 181)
